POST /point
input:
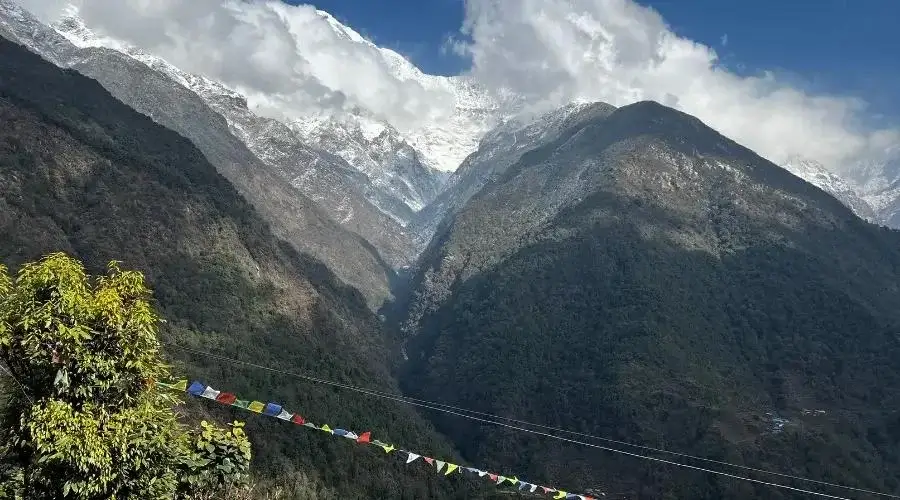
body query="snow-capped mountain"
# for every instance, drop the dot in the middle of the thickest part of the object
(360, 248)
(402, 171)
(497, 151)
(815, 173)
(394, 178)
(377, 150)
(879, 185)
(18, 25)
(442, 145)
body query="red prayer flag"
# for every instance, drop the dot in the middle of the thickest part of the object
(226, 398)
(365, 437)
(546, 489)
(492, 476)
(429, 460)
(297, 419)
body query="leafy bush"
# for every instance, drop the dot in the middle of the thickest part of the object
(87, 420)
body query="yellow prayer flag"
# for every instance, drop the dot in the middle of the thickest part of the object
(450, 469)
(326, 428)
(388, 448)
(560, 494)
(256, 406)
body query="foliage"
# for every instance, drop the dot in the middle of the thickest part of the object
(217, 461)
(92, 423)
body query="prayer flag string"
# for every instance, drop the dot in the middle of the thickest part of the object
(275, 410)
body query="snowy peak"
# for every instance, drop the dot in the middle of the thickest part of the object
(376, 149)
(400, 184)
(815, 173)
(342, 29)
(19, 25)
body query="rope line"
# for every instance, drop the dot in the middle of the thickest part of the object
(448, 409)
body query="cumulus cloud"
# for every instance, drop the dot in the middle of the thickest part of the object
(292, 61)
(620, 52)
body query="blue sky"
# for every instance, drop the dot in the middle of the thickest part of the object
(824, 46)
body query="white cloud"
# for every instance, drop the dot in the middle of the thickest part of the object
(619, 52)
(292, 61)
(287, 59)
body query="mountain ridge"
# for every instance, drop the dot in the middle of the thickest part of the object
(303, 221)
(447, 142)
(652, 279)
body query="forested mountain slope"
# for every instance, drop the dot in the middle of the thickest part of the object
(644, 278)
(81, 172)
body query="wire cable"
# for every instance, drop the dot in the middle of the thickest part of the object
(20, 384)
(447, 409)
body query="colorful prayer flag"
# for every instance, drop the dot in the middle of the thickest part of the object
(275, 410)
(226, 398)
(196, 388)
(179, 385)
(272, 409)
(209, 393)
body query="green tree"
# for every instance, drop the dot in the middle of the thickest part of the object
(83, 417)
